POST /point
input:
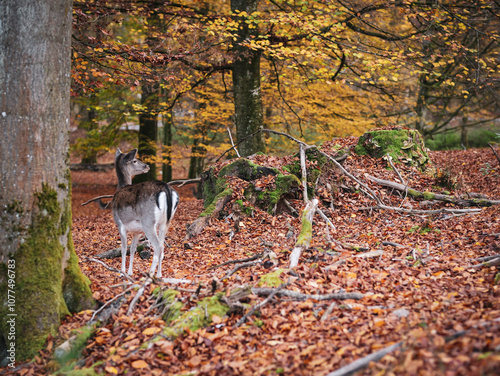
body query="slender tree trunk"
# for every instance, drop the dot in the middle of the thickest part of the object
(90, 154)
(167, 147)
(246, 86)
(148, 130)
(39, 275)
(197, 160)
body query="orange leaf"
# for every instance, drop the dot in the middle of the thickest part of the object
(139, 364)
(111, 369)
(151, 331)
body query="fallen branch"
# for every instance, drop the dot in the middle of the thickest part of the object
(117, 252)
(491, 262)
(183, 182)
(494, 151)
(305, 236)
(110, 268)
(101, 204)
(433, 196)
(264, 291)
(365, 361)
(260, 305)
(138, 295)
(254, 257)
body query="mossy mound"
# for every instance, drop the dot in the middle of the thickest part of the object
(215, 186)
(403, 145)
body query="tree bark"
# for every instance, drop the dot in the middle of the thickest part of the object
(39, 275)
(148, 130)
(167, 147)
(246, 86)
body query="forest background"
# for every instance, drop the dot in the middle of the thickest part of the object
(184, 74)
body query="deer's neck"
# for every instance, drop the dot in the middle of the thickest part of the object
(124, 178)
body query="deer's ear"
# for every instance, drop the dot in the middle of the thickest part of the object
(130, 155)
(118, 152)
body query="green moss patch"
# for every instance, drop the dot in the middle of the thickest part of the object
(404, 145)
(197, 317)
(272, 279)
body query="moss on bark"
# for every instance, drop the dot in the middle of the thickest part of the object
(39, 276)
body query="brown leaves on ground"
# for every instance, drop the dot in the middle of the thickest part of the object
(423, 292)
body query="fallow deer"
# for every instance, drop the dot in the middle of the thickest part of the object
(146, 207)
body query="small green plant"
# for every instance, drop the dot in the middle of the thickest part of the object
(489, 170)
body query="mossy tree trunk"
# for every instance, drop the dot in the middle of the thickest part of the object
(39, 275)
(246, 86)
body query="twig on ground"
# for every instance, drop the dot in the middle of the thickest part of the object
(254, 257)
(263, 291)
(494, 151)
(111, 301)
(260, 305)
(365, 361)
(328, 311)
(138, 295)
(491, 262)
(110, 268)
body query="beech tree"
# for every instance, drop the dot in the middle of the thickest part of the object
(40, 280)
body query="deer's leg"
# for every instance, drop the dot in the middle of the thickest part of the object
(133, 248)
(123, 239)
(157, 246)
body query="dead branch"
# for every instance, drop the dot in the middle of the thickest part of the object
(241, 266)
(433, 196)
(491, 262)
(304, 238)
(254, 257)
(389, 158)
(110, 268)
(183, 182)
(232, 143)
(264, 291)
(487, 258)
(138, 295)
(494, 151)
(100, 202)
(365, 361)
(261, 304)
(112, 300)
(303, 169)
(117, 252)
(328, 311)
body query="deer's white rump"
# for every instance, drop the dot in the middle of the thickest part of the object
(141, 208)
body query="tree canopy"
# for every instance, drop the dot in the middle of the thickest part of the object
(316, 69)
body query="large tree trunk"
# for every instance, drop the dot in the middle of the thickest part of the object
(148, 130)
(246, 86)
(39, 275)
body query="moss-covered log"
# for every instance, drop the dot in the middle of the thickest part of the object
(402, 144)
(305, 236)
(482, 202)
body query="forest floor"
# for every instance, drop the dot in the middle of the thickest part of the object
(423, 293)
